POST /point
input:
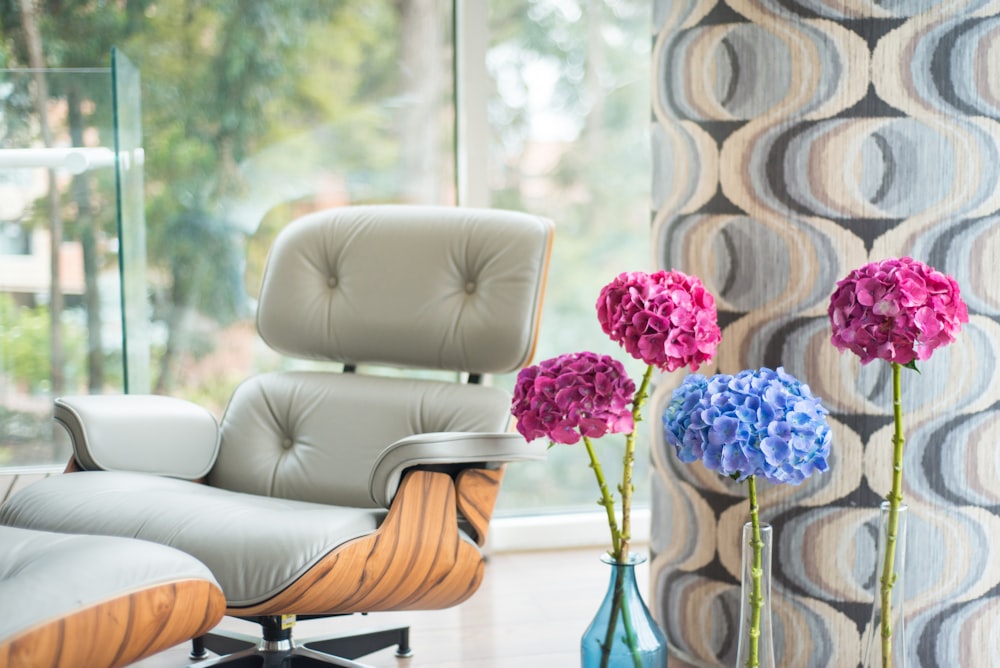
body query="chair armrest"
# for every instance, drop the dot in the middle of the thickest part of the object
(143, 433)
(483, 450)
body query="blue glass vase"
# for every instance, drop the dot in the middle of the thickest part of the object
(623, 633)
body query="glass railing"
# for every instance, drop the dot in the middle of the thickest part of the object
(131, 219)
(60, 318)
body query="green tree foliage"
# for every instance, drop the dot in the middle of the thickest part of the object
(24, 345)
(573, 85)
(592, 54)
(223, 87)
(570, 116)
(221, 82)
(74, 34)
(300, 87)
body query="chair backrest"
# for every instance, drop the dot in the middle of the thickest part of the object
(413, 286)
(436, 288)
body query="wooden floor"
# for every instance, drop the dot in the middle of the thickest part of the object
(529, 612)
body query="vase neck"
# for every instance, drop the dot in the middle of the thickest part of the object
(623, 575)
(633, 559)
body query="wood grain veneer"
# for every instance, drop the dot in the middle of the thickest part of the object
(477, 491)
(119, 631)
(416, 560)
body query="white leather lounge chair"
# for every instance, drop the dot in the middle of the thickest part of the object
(331, 492)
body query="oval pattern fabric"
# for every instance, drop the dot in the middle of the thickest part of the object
(793, 141)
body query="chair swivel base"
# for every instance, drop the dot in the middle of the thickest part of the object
(276, 649)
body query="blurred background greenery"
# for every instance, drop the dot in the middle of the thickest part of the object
(257, 111)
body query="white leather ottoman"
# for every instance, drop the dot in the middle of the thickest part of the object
(97, 601)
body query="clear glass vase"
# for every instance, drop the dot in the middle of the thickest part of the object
(885, 638)
(623, 633)
(756, 640)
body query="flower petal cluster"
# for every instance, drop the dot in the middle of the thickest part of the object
(666, 319)
(573, 395)
(898, 310)
(763, 423)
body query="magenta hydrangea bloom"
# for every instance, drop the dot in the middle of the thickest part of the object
(666, 319)
(899, 310)
(573, 395)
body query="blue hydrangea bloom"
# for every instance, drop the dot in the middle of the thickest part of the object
(762, 423)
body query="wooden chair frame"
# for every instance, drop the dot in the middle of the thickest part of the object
(120, 630)
(417, 559)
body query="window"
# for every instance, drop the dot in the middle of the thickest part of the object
(252, 118)
(569, 116)
(58, 254)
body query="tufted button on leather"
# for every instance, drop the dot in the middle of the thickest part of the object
(287, 443)
(470, 287)
(332, 281)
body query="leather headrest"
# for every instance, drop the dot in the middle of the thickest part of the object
(413, 286)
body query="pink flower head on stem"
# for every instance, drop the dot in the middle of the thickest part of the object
(666, 319)
(573, 395)
(899, 310)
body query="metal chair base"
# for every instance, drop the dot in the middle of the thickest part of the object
(276, 649)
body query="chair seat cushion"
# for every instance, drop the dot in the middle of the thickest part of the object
(46, 577)
(254, 545)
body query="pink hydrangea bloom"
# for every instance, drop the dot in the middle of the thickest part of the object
(573, 395)
(666, 319)
(898, 310)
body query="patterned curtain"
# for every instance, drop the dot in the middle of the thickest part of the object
(793, 141)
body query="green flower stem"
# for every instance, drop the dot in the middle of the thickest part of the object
(626, 490)
(627, 487)
(895, 497)
(756, 575)
(606, 499)
(616, 545)
(617, 607)
(633, 642)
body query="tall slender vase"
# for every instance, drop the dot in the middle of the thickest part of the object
(623, 633)
(756, 639)
(885, 637)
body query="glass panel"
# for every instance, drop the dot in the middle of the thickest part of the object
(253, 118)
(570, 116)
(131, 221)
(60, 323)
